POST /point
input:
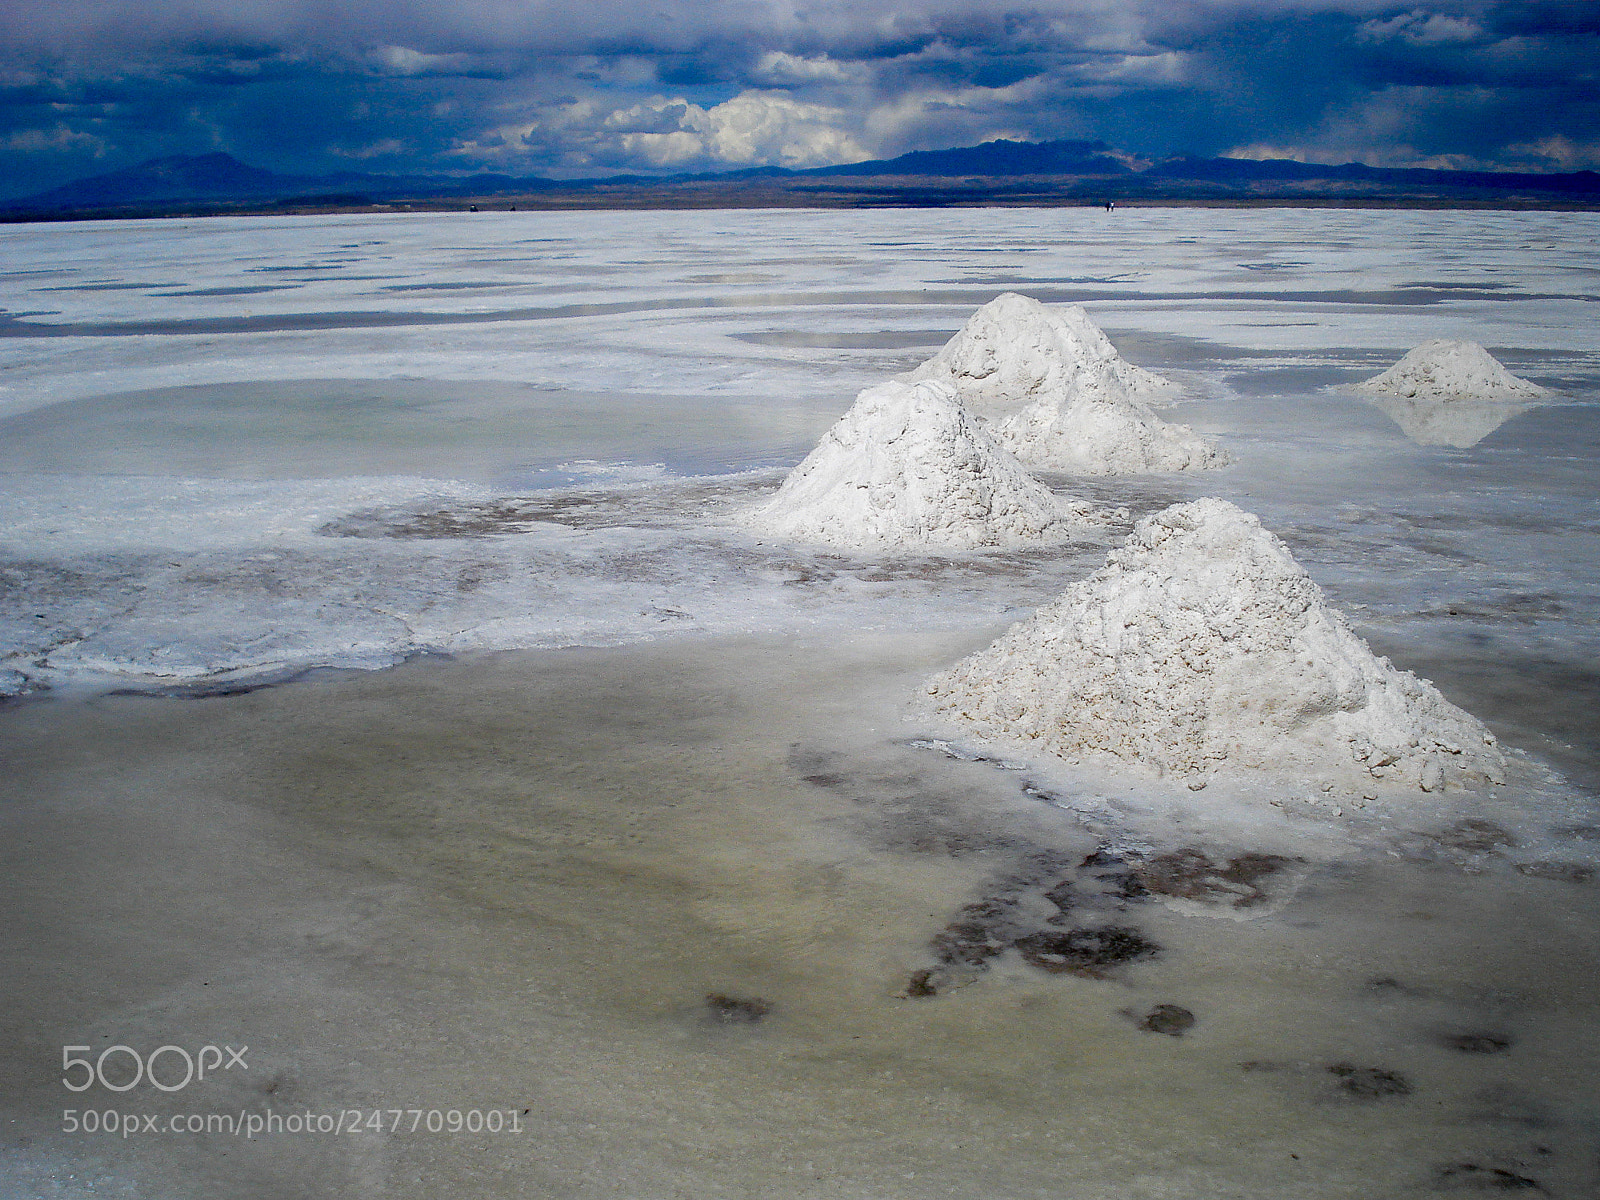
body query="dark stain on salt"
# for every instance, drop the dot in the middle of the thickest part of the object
(736, 1010)
(1475, 1043)
(1102, 880)
(1089, 952)
(979, 932)
(1388, 985)
(1475, 1178)
(1476, 836)
(1026, 908)
(1060, 915)
(1560, 872)
(1171, 1019)
(1191, 875)
(1369, 1083)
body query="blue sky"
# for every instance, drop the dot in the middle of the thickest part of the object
(573, 89)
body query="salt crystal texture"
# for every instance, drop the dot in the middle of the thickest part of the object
(1095, 426)
(909, 467)
(1202, 645)
(1014, 349)
(1442, 369)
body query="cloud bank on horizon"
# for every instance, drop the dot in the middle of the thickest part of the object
(562, 89)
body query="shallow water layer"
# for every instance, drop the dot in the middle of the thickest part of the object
(664, 904)
(506, 433)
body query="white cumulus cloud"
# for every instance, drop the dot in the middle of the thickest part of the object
(754, 128)
(778, 68)
(1264, 151)
(54, 141)
(1559, 153)
(751, 129)
(1422, 28)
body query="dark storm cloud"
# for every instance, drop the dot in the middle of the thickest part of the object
(535, 86)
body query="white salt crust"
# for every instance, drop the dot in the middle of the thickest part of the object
(1442, 369)
(1094, 426)
(1015, 349)
(909, 468)
(1200, 647)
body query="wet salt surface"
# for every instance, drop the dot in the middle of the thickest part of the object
(32, 324)
(885, 339)
(670, 901)
(491, 433)
(665, 868)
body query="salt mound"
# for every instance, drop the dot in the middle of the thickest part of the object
(1200, 645)
(1013, 349)
(1442, 369)
(908, 467)
(1095, 426)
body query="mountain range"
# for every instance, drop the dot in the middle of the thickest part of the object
(996, 172)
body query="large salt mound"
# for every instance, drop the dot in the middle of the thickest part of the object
(1442, 369)
(1013, 349)
(909, 467)
(1094, 426)
(1202, 645)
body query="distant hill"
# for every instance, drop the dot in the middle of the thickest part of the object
(177, 177)
(998, 159)
(1236, 170)
(996, 172)
(219, 177)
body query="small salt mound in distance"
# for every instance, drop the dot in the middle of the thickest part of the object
(1095, 426)
(1014, 348)
(1442, 369)
(907, 467)
(1202, 645)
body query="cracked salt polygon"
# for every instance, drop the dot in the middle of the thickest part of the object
(1202, 645)
(1442, 369)
(909, 467)
(1015, 348)
(1093, 425)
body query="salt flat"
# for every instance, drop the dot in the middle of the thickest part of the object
(625, 754)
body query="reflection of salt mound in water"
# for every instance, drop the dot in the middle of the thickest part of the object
(1013, 349)
(907, 466)
(1460, 423)
(1094, 426)
(1200, 645)
(1447, 393)
(1442, 369)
